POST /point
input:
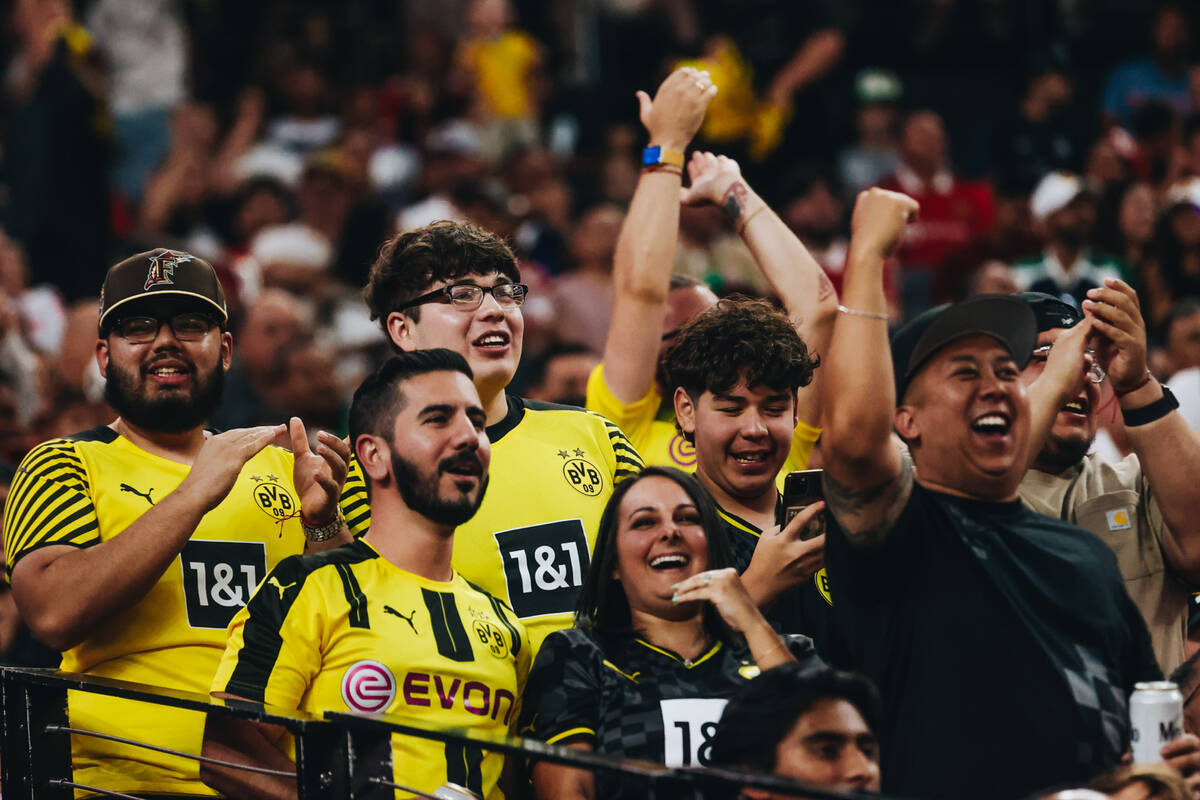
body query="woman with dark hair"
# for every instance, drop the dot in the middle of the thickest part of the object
(664, 634)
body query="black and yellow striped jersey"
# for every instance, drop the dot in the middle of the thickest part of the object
(86, 489)
(348, 630)
(553, 469)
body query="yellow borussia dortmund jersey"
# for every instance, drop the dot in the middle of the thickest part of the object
(553, 469)
(86, 489)
(650, 425)
(349, 630)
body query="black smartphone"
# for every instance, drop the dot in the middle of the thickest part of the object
(801, 489)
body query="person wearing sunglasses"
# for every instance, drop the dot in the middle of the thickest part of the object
(457, 286)
(1146, 508)
(130, 546)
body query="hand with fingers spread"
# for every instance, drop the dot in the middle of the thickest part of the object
(674, 115)
(221, 459)
(318, 475)
(1117, 316)
(710, 176)
(783, 560)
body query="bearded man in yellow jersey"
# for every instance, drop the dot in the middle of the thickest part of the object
(130, 546)
(457, 286)
(651, 306)
(385, 624)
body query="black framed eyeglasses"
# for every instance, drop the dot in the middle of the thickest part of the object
(189, 326)
(469, 296)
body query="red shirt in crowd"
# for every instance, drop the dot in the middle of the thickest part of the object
(953, 214)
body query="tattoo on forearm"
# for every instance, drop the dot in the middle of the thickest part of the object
(734, 201)
(867, 515)
(825, 291)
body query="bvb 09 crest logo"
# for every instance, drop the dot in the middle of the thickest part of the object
(580, 473)
(275, 501)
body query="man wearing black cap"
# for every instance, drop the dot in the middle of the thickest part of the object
(130, 546)
(1003, 641)
(1145, 507)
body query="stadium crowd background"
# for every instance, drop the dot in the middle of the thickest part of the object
(284, 141)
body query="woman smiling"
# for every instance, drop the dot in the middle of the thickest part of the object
(664, 634)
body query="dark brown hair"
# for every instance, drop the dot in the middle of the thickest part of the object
(442, 251)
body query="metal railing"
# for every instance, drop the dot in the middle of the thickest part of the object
(339, 756)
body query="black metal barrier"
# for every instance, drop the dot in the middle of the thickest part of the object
(339, 756)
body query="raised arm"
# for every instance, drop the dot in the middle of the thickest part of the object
(1061, 380)
(65, 591)
(794, 275)
(1168, 450)
(867, 479)
(646, 247)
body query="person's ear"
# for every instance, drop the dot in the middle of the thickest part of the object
(685, 411)
(102, 357)
(905, 422)
(795, 408)
(226, 349)
(374, 457)
(400, 331)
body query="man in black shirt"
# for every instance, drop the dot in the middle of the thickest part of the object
(998, 637)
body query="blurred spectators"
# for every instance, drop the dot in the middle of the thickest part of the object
(1163, 75)
(502, 64)
(1047, 132)
(56, 147)
(584, 296)
(876, 152)
(954, 212)
(1065, 212)
(285, 141)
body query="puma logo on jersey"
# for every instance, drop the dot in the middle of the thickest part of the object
(125, 487)
(407, 618)
(282, 587)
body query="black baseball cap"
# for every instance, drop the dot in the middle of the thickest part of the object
(161, 273)
(1050, 312)
(1006, 318)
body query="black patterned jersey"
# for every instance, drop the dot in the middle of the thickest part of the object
(630, 698)
(807, 609)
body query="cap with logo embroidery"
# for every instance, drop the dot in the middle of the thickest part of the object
(160, 272)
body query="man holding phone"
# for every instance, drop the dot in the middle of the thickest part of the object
(736, 369)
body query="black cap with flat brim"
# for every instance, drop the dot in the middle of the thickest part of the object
(1005, 318)
(161, 273)
(1050, 312)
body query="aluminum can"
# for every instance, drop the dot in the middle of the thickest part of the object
(1155, 717)
(452, 791)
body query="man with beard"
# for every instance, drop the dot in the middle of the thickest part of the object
(457, 286)
(130, 546)
(389, 609)
(1065, 212)
(1145, 507)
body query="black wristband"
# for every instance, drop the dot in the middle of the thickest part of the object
(1155, 411)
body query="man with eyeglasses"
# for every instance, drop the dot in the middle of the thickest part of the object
(1145, 507)
(457, 286)
(131, 546)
